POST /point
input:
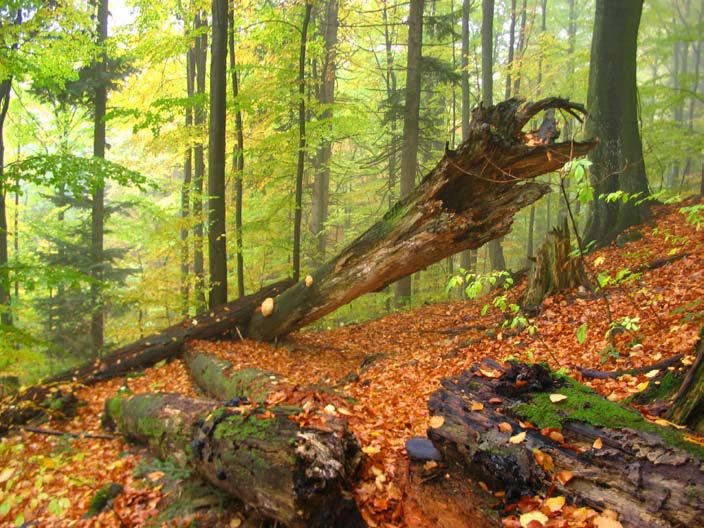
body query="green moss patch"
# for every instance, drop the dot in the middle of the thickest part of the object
(584, 405)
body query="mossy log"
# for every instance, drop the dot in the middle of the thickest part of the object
(468, 199)
(227, 320)
(298, 476)
(220, 380)
(650, 475)
(554, 269)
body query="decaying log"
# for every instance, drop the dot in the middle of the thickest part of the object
(554, 268)
(56, 399)
(606, 374)
(650, 475)
(468, 199)
(688, 404)
(223, 322)
(298, 476)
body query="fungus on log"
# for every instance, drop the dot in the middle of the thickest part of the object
(468, 199)
(298, 476)
(651, 475)
(554, 269)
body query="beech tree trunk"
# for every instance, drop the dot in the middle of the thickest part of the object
(554, 269)
(467, 200)
(298, 476)
(648, 474)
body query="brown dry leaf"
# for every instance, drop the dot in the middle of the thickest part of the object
(267, 307)
(436, 421)
(544, 460)
(557, 436)
(476, 406)
(519, 438)
(606, 522)
(534, 516)
(598, 443)
(505, 427)
(556, 398)
(699, 440)
(495, 401)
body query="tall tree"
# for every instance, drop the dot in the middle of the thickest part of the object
(468, 258)
(5, 312)
(617, 161)
(391, 87)
(496, 252)
(98, 203)
(217, 248)
(409, 148)
(200, 52)
(298, 213)
(186, 186)
(237, 158)
(321, 184)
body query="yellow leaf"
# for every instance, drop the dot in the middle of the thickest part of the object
(642, 386)
(555, 504)
(6, 474)
(437, 421)
(688, 437)
(555, 398)
(564, 476)
(344, 411)
(476, 406)
(236, 522)
(529, 517)
(598, 261)
(267, 307)
(598, 443)
(517, 439)
(606, 522)
(371, 450)
(652, 373)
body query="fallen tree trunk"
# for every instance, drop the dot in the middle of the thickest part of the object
(228, 320)
(468, 199)
(688, 403)
(593, 451)
(298, 476)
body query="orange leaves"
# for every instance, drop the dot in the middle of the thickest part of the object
(544, 460)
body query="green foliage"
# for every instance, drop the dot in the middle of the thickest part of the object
(694, 214)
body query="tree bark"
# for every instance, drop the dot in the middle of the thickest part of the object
(321, 183)
(688, 403)
(617, 161)
(237, 160)
(409, 147)
(201, 58)
(496, 252)
(217, 247)
(298, 476)
(467, 200)
(554, 269)
(646, 473)
(186, 189)
(98, 205)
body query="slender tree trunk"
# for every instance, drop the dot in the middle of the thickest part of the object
(520, 47)
(617, 162)
(496, 252)
(695, 87)
(511, 45)
(409, 149)
(186, 188)
(237, 160)
(321, 184)
(468, 258)
(5, 312)
(200, 55)
(98, 205)
(390, 93)
(298, 212)
(217, 247)
(531, 232)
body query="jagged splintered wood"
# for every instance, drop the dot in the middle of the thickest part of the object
(468, 199)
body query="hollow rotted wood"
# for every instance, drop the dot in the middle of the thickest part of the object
(468, 199)
(554, 268)
(298, 476)
(650, 475)
(688, 403)
(224, 322)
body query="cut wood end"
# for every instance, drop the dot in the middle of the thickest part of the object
(267, 307)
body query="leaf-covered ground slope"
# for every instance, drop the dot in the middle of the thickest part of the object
(388, 368)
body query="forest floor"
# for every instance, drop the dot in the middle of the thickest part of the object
(51, 480)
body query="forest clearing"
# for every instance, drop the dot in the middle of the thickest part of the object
(351, 263)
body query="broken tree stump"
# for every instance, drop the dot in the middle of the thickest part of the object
(554, 269)
(298, 476)
(650, 475)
